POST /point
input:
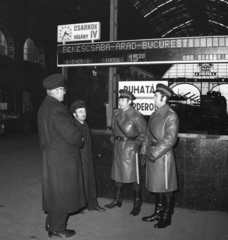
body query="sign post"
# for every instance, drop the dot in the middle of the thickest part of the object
(77, 32)
(112, 70)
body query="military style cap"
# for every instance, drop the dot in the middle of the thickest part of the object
(164, 89)
(126, 94)
(77, 104)
(54, 81)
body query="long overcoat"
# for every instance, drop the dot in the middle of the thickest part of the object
(86, 151)
(162, 131)
(132, 124)
(62, 183)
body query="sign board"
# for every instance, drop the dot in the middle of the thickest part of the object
(144, 93)
(147, 51)
(79, 32)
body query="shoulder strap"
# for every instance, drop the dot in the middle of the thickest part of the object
(120, 128)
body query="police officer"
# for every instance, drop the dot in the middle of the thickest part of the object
(129, 129)
(157, 154)
(62, 183)
(78, 109)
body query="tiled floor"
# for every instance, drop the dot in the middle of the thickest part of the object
(21, 215)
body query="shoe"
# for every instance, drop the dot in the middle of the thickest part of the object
(156, 216)
(136, 209)
(158, 212)
(165, 221)
(47, 227)
(114, 203)
(98, 208)
(137, 203)
(47, 224)
(63, 234)
(117, 202)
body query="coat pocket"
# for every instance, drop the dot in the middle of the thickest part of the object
(72, 154)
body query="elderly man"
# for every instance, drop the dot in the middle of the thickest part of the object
(129, 129)
(62, 185)
(157, 154)
(78, 109)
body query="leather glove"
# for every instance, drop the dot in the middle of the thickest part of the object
(151, 158)
(143, 159)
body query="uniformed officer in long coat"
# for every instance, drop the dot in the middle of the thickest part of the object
(62, 184)
(157, 154)
(129, 129)
(78, 109)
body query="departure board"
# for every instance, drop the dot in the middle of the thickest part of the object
(147, 51)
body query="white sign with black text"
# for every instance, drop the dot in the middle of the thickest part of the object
(144, 93)
(79, 32)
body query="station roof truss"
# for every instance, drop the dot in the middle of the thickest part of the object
(176, 18)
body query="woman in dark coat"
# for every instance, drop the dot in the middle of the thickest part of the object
(78, 109)
(161, 176)
(62, 186)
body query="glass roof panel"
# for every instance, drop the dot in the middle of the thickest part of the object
(209, 16)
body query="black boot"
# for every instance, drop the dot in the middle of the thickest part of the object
(168, 210)
(157, 215)
(47, 224)
(117, 202)
(137, 203)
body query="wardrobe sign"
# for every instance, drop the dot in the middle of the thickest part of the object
(144, 93)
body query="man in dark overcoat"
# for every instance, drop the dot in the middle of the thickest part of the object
(129, 128)
(62, 184)
(157, 154)
(78, 109)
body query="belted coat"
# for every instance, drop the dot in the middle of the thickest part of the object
(62, 183)
(86, 152)
(162, 132)
(132, 124)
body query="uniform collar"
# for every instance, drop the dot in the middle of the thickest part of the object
(162, 110)
(52, 99)
(79, 120)
(128, 112)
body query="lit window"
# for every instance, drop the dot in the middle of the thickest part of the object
(3, 44)
(30, 51)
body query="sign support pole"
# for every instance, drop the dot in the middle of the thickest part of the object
(65, 74)
(112, 70)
